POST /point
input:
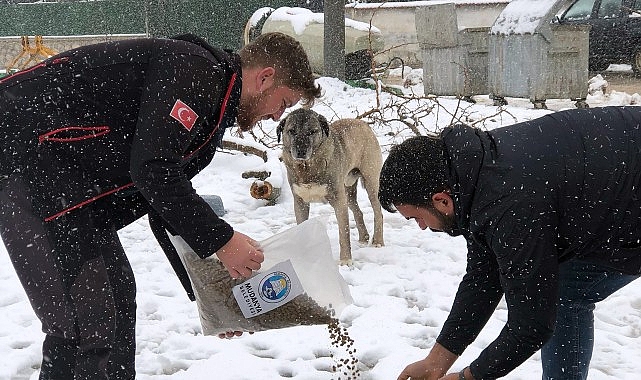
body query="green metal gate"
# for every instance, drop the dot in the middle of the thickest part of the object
(218, 21)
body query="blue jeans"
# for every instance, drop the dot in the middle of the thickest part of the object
(566, 356)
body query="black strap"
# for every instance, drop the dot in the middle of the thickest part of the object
(157, 227)
(222, 55)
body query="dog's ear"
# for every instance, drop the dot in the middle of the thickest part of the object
(279, 129)
(324, 124)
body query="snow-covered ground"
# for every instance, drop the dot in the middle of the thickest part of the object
(402, 292)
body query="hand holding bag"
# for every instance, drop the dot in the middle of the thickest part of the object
(305, 249)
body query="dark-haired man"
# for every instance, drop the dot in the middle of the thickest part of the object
(96, 137)
(551, 211)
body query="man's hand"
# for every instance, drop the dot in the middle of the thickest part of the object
(421, 370)
(240, 256)
(433, 367)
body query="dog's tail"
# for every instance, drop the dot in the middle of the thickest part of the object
(352, 177)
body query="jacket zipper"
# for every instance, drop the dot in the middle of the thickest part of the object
(220, 118)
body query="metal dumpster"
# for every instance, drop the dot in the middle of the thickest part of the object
(455, 59)
(532, 57)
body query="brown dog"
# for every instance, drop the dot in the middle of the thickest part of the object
(324, 163)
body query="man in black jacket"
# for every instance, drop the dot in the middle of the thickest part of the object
(551, 212)
(96, 137)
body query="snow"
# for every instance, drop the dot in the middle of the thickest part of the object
(301, 18)
(259, 14)
(522, 16)
(402, 292)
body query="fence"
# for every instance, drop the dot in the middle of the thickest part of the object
(215, 20)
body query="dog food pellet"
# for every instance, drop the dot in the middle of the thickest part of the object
(340, 339)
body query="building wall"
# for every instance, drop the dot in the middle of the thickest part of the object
(396, 20)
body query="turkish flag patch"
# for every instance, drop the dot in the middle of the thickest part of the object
(184, 114)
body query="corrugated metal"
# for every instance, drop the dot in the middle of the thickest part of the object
(530, 66)
(455, 61)
(214, 20)
(73, 18)
(550, 63)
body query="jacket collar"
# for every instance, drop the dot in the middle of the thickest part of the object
(466, 149)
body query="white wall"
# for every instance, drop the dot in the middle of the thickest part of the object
(396, 22)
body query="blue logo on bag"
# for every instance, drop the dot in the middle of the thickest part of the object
(275, 287)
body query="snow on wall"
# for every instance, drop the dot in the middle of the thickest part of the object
(259, 14)
(414, 4)
(522, 16)
(300, 18)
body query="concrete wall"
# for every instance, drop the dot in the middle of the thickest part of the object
(397, 23)
(11, 47)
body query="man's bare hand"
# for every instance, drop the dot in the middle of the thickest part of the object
(421, 370)
(433, 367)
(241, 255)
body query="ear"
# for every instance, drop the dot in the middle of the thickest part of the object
(324, 124)
(443, 203)
(265, 78)
(279, 129)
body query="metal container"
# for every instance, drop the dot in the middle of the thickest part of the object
(535, 58)
(455, 60)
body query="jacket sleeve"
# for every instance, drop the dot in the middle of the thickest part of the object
(160, 143)
(524, 248)
(478, 294)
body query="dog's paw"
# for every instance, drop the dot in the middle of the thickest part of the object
(364, 239)
(231, 334)
(347, 262)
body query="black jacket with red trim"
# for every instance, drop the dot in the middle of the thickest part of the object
(120, 128)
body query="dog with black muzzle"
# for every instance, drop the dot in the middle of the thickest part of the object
(324, 163)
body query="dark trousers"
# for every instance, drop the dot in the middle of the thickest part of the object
(567, 355)
(80, 285)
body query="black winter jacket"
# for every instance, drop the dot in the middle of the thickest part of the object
(527, 197)
(105, 127)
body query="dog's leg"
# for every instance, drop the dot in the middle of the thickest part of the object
(363, 235)
(301, 209)
(377, 241)
(372, 193)
(339, 203)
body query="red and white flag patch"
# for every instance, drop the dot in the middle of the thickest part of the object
(184, 114)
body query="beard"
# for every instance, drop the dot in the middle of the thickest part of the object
(248, 112)
(447, 222)
(244, 119)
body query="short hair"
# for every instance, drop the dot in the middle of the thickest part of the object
(287, 56)
(413, 171)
